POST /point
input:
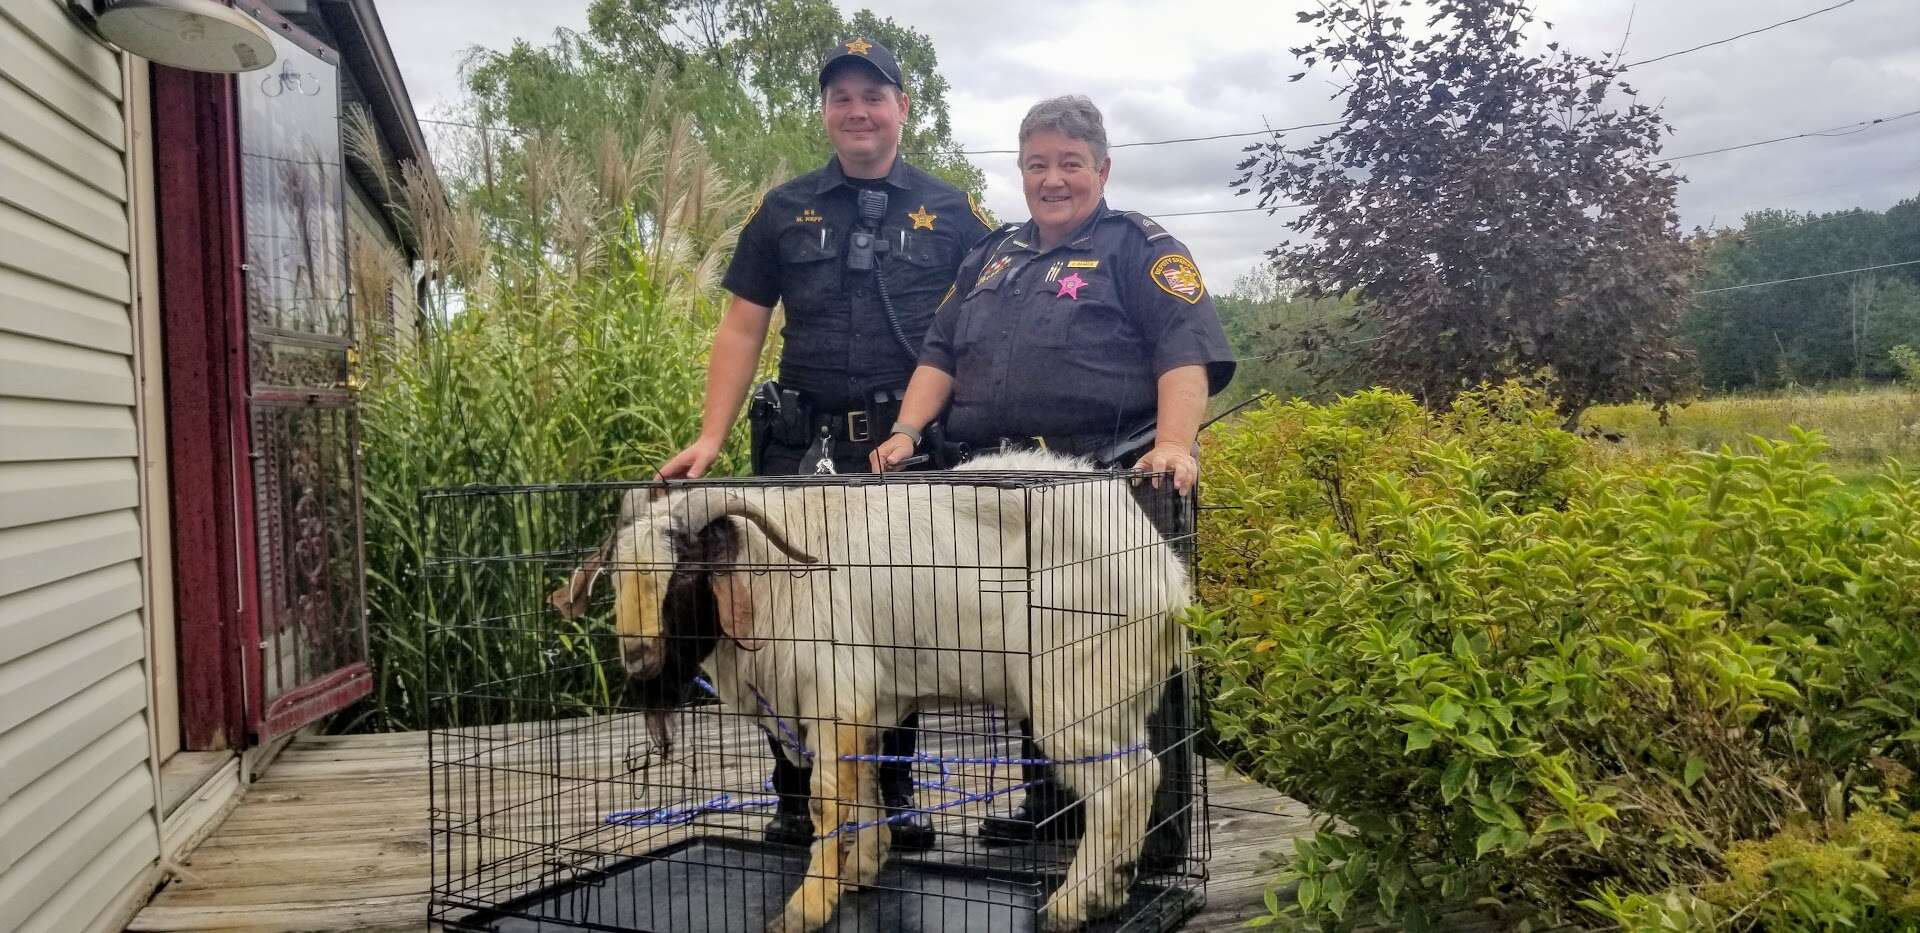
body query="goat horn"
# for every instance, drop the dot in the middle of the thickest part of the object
(711, 505)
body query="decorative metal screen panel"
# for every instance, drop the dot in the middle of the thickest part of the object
(302, 418)
(309, 546)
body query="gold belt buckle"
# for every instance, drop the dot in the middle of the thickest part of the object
(1037, 439)
(859, 427)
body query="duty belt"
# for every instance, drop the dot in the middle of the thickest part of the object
(860, 425)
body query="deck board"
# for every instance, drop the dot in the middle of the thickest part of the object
(334, 837)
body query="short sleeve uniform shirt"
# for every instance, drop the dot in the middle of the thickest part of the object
(1071, 342)
(838, 344)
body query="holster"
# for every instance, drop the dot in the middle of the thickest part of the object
(774, 415)
(943, 453)
(1128, 450)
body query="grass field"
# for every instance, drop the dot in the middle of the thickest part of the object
(1864, 427)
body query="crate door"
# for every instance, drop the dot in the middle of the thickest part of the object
(302, 417)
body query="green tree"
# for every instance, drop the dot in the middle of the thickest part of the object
(1282, 340)
(1494, 211)
(744, 72)
(1812, 331)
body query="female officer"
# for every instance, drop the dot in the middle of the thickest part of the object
(1077, 329)
(1082, 330)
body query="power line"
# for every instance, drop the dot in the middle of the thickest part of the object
(1833, 131)
(1150, 142)
(1227, 210)
(474, 126)
(1852, 128)
(1802, 278)
(1277, 354)
(1264, 131)
(923, 152)
(1750, 32)
(1710, 291)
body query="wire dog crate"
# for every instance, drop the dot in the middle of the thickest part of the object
(627, 678)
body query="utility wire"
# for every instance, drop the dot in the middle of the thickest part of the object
(1750, 32)
(1852, 128)
(1228, 210)
(1150, 142)
(1264, 131)
(474, 126)
(1802, 278)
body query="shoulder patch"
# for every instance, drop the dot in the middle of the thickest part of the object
(980, 213)
(1176, 275)
(1147, 225)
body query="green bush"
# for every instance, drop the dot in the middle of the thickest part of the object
(1506, 674)
(1861, 876)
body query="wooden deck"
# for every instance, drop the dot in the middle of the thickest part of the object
(334, 837)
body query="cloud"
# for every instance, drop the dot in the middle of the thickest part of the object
(1161, 70)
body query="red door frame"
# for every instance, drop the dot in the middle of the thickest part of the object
(209, 401)
(203, 322)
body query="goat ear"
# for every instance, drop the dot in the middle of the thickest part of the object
(571, 598)
(733, 598)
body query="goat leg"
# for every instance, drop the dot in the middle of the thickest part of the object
(1118, 795)
(812, 905)
(870, 844)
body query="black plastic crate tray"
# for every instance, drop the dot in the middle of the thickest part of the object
(727, 885)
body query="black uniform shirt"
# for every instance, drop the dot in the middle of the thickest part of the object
(1071, 342)
(838, 344)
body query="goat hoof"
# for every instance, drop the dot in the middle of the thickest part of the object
(864, 870)
(1107, 901)
(787, 923)
(809, 909)
(1058, 918)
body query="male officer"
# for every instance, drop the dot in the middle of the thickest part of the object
(859, 251)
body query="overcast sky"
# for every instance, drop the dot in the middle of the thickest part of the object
(1159, 70)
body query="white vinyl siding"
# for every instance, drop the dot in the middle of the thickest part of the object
(77, 822)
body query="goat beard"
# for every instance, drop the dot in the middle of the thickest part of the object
(657, 699)
(660, 732)
(694, 630)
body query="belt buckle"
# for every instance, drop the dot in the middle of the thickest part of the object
(859, 427)
(1041, 441)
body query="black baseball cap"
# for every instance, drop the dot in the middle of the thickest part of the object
(868, 52)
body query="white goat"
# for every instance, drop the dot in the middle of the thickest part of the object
(1052, 602)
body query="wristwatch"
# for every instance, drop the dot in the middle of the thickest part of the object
(912, 435)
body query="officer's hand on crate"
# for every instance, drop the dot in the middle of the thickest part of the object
(889, 454)
(692, 463)
(1171, 459)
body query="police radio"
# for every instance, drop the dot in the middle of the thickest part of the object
(864, 247)
(865, 244)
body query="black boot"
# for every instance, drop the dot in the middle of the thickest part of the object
(792, 824)
(1048, 813)
(1169, 839)
(912, 832)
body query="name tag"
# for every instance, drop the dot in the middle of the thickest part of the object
(1083, 263)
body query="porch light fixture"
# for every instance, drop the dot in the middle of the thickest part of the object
(197, 35)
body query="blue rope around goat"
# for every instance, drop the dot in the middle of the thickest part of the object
(677, 816)
(944, 760)
(724, 803)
